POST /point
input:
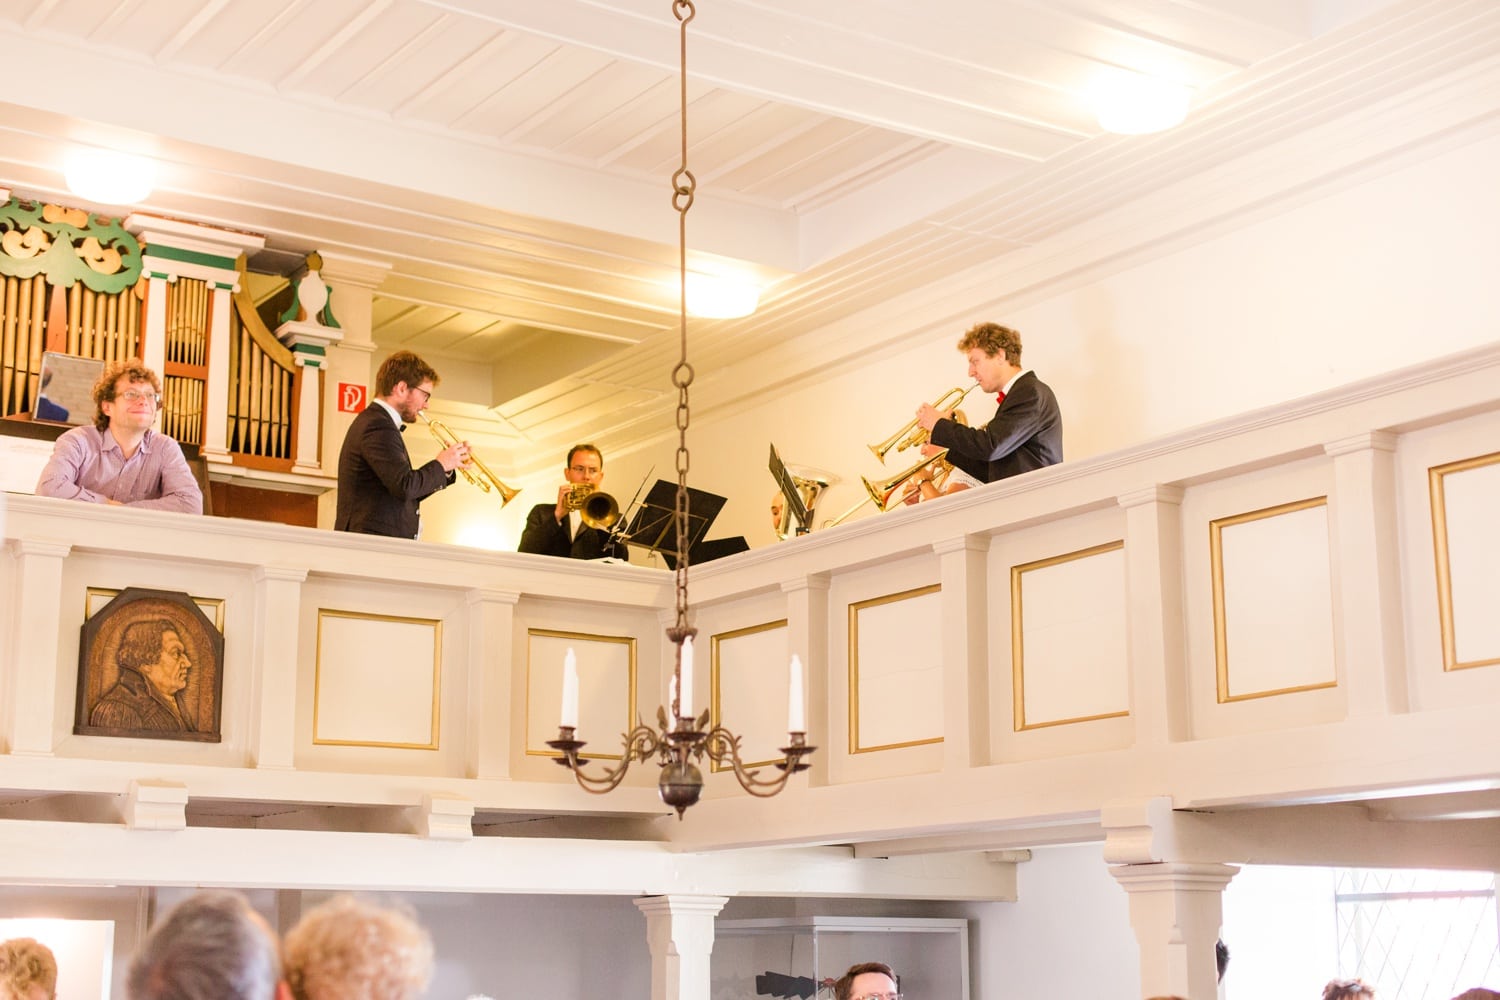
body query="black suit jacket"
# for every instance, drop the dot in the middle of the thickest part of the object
(378, 489)
(1024, 434)
(544, 536)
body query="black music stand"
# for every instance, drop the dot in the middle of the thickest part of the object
(655, 523)
(790, 493)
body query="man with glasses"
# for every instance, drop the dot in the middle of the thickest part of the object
(120, 460)
(378, 489)
(558, 529)
(867, 981)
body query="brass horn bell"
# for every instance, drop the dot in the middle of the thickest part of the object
(595, 509)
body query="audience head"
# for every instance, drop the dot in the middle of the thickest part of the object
(1478, 993)
(868, 979)
(347, 949)
(211, 946)
(27, 970)
(1347, 989)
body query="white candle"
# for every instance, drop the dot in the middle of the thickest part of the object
(796, 717)
(672, 693)
(686, 688)
(570, 690)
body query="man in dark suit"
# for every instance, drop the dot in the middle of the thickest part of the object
(558, 529)
(378, 489)
(1026, 431)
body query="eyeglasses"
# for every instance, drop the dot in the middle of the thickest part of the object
(426, 393)
(137, 395)
(880, 996)
(583, 470)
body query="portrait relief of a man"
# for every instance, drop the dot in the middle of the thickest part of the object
(150, 667)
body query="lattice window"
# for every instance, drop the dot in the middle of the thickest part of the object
(1417, 935)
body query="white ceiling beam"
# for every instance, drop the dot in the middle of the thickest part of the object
(172, 107)
(879, 82)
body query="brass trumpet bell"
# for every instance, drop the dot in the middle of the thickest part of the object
(912, 435)
(480, 475)
(882, 492)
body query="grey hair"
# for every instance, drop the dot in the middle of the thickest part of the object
(211, 946)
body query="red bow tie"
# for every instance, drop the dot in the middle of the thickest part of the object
(1000, 397)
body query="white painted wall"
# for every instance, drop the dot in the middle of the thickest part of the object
(1067, 935)
(1396, 268)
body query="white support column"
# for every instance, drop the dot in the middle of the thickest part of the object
(1367, 573)
(964, 628)
(29, 658)
(491, 627)
(1176, 911)
(680, 931)
(1154, 596)
(351, 291)
(273, 689)
(807, 637)
(154, 324)
(216, 394)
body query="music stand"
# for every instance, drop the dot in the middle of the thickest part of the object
(655, 523)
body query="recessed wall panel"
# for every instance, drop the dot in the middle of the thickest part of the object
(895, 671)
(1273, 601)
(606, 690)
(750, 690)
(1068, 644)
(377, 680)
(1466, 543)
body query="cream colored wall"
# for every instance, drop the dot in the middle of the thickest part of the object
(1393, 269)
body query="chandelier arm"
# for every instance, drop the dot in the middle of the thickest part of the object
(640, 743)
(723, 747)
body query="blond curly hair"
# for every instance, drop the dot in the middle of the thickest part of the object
(346, 949)
(25, 964)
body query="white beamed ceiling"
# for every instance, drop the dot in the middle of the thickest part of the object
(510, 160)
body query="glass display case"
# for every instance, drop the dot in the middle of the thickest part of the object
(800, 957)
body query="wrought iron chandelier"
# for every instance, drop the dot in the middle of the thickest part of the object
(680, 743)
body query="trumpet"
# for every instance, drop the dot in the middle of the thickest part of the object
(883, 493)
(480, 475)
(595, 509)
(911, 435)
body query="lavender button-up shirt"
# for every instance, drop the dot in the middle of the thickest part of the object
(87, 464)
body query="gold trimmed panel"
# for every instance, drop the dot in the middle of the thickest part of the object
(1017, 640)
(95, 598)
(1439, 512)
(717, 717)
(854, 610)
(437, 657)
(630, 710)
(1221, 633)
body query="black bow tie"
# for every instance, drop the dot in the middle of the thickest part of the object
(403, 428)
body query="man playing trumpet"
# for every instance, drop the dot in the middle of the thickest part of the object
(1026, 431)
(562, 529)
(378, 489)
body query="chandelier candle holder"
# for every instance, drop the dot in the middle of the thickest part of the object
(680, 743)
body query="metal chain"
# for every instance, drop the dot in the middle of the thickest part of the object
(683, 187)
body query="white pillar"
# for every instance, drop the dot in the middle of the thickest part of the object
(154, 324)
(964, 633)
(491, 641)
(1154, 606)
(1176, 911)
(216, 393)
(351, 291)
(680, 932)
(807, 637)
(1367, 573)
(28, 658)
(273, 688)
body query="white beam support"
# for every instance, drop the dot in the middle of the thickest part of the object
(680, 932)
